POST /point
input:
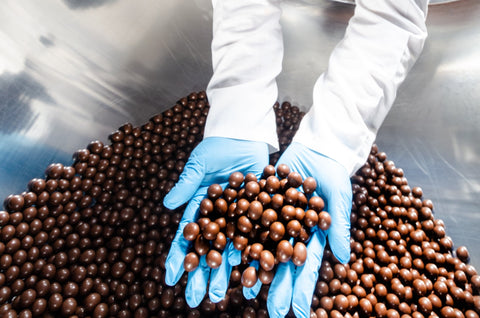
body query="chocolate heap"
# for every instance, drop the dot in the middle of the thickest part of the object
(91, 239)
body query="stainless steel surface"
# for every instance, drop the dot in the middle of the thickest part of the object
(73, 71)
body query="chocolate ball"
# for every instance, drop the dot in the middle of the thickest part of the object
(249, 277)
(214, 191)
(316, 203)
(211, 230)
(244, 224)
(214, 259)
(299, 254)
(324, 220)
(267, 260)
(236, 179)
(220, 241)
(462, 254)
(284, 251)
(277, 231)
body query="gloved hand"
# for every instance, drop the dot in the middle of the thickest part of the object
(212, 161)
(294, 285)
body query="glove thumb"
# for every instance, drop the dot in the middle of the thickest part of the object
(190, 180)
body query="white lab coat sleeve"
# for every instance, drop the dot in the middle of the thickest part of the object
(352, 98)
(247, 52)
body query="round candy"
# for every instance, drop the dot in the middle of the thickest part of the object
(284, 251)
(267, 260)
(299, 254)
(324, 220)
(236, 179)
(249, 277)
(214, 259)
(309, 185)
(191, 231)
(277, 231)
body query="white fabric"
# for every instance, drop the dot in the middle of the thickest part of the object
(350, 100)
(247, 52)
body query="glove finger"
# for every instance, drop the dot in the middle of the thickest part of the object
(252, 292)
(220, 277)
(189, 182)
(234, 255)
(197, 283)
(280, 293)
(174, 262)
(339, 207)
(179, 247)
(306, 276)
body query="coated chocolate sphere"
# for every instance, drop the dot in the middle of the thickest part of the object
(214, 259)
(462, 253)
(277, 231)
(284, 251)
(267, 260)
(92, 239)
(309, 185)
(235, 179)
(214, 191)
(324, 220)
(299, 254)
(249, 277)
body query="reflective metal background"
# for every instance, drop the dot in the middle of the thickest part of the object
(72, 71)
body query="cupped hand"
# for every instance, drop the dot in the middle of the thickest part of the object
(293, 286)
(212, 161)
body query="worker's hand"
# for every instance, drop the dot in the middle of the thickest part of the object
(294, 285)
(212, 161)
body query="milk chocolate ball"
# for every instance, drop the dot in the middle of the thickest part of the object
(269, 216)
(316, 203)
(267, 260)
(214, 259)
(255, 210)
(101, 310)
(277, 231)
(311, 218)
(214, 191)
(211, 230)
(244, 224)
(249, 277)
(236, 179)
(324, 220)
(294, 179)
(220, 242)
(284, 251)
(283, 170)
(462, 254)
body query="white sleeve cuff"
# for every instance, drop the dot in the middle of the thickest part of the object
(352, 98)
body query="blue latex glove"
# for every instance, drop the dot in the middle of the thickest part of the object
(294, 285)
(212, 161)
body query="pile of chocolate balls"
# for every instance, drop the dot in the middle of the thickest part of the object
(260, 218)
(91, 239)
